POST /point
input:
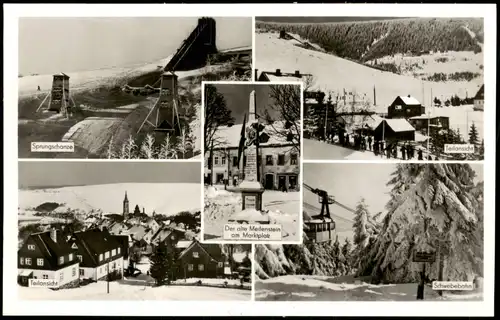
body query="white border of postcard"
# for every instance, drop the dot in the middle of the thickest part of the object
(13, 306)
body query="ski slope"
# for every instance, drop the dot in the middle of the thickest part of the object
(332, 73)
(168, 199)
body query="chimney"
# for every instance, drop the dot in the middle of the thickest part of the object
(297, 73)
(278, 72)
(143, 211)
(53, 234)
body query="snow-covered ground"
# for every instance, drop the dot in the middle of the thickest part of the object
(332, 73)
(317, 288)
(109, 197)
(222, 205)
(121, 291)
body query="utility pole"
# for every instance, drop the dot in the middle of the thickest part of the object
(326, 118)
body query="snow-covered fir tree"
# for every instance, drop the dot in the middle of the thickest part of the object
(360, 226)
(473, 135)
(432, 209)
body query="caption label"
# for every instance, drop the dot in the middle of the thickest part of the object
(459, 148)
(252, 232)
(452, 285)
(52, 147)
(43, 283)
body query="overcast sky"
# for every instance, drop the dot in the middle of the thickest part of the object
(70, 173)
(238, 99)
(50, 45)
(348, 182)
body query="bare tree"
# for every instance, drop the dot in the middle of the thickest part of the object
(167, 149)
(217, 114)
(286, 104)
(147, 147)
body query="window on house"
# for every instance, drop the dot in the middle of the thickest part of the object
(408, 110)
(61, 260)
(70, 257)
(201, 267)
(119, 250)
(223, 160)
(31, 247)
(100, 257)
(39, 262)
(106, 268)
(195, 255)
(28, 261)
(216, 161)
(235, 161)
(269, 160)
(106, 255)
(281, 160)
(220, 264)
(45, 276)
(113, 252)
(73, 272)
(82, 272)
(293, 159)
(21, 260)
(397, 107)
(61, 277)
(80, 258)
(190, 267)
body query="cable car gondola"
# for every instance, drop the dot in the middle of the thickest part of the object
(320, 228)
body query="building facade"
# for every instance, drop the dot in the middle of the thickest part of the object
(202, 261)
(278, 167)
(47, 256)
(405, 107)
(479, 99)
(98, 252)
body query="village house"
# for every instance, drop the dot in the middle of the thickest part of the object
(199, 260)
(405, 107)
(168, 236)
(479, 99)
(47, 255)
(394, 130)
(98, 252)
(118, 228)
(151, 224)
(141, 237)
(278, 160)
(423, 122)
(273, 76)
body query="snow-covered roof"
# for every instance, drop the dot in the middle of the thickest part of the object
(359, 121)
(409, 100)
(230, 136)
(398, 125)
(183, 244)
(274, 78)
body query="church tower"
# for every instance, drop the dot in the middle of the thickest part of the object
(125, 207)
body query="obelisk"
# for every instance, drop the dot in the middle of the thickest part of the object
(251, 189)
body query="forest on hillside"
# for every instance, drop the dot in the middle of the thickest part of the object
(363, 41)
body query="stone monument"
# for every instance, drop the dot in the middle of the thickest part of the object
(251, 189)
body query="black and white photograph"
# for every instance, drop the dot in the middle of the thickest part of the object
(388, 88)
(122, 87)
(252, 146)
(130, 234)
(382, 232)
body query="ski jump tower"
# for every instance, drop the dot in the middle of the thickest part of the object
(59, 95)
(192, 54)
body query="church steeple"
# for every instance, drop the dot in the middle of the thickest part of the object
(125, 206)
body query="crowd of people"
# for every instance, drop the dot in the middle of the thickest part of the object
(404, 150)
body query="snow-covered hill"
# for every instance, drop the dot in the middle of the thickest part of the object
(332, 73)
(165, 198)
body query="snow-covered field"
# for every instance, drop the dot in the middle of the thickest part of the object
(120, 291)
(221, 205)
(108, 197)
(317, 288)
(332, 73)
(428, 64)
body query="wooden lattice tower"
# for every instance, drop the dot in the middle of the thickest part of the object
(59, 95)
(164, 115)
